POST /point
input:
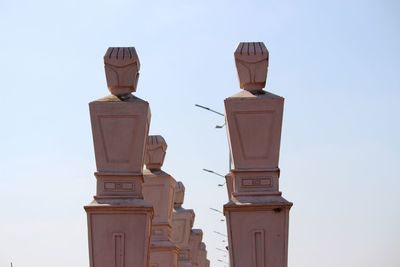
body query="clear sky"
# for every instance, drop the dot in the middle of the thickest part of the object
(337, 63)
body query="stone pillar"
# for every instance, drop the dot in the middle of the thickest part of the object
(158, 190)
(195, 238)
(182, 223)
(119, 220)
(257, 215)
(202, 256)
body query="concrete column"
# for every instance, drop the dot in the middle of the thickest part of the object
(257, 215)
(119, 221)
(182, 223)
(158, 190)
(195, 238)
(202, 256)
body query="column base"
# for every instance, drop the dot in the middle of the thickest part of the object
(258, 231)
(163, 254)
(119, 232)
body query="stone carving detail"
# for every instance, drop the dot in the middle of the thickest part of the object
(119, 249)
(155, 152)
(182, 219)
(191, 251)
(179, 228)
(258, 146)
(252, 65)
(122, 70)
(195, 238)
(120, 130)
(258, 248)
(179, 195)
(158, 189)
(254, 147)
(155, 193)
(117, 148)
(118, 187)
(257, 182)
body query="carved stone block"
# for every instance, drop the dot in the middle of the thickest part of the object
(122, 70)
(182, 223)
(255, 183)
(258, 234)
(158, 189)
(155, 152)
(252, 65)
(195, 238)
(202, 256)
(118, 235)
(254, 126)
(120, 130)
(179, 195)
(118, 186)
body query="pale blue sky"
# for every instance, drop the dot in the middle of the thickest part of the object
(337, 63)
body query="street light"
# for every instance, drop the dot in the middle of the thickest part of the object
(213, 172)
(217, 210)
(216, 173)
(222, 220)
(221, 250)
(222, 261)
(216, 112)
(220, 234)
(209, 109)
(217, 126)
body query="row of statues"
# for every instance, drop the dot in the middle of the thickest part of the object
(174, 242)
(136, 218)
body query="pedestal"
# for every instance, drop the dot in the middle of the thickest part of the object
(119, 233)
(257, 215)
(182, 223)
(202, 256)
(258, 232)
(158, 190)
(119, 221)
(195, 238)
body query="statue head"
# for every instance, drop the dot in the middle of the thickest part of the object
(179, 194)
(122, 70)
(252, 65)
(155, 152)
